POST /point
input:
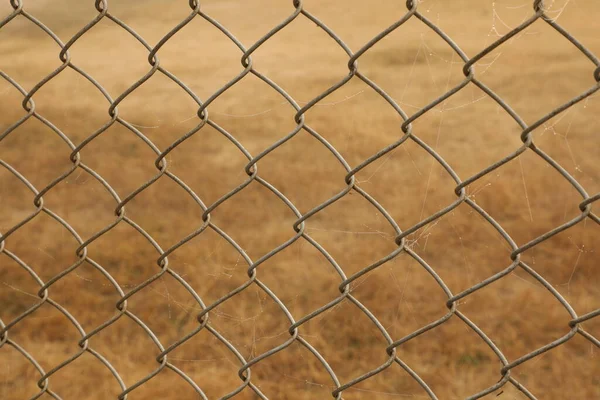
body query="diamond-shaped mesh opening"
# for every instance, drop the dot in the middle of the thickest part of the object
(92, 284)
(166, 383)
(51, 250)
(531, 316)
(124, 343)
(313, 175)
(470, 365)
(362, 349)
(212, 62)
(394, 293)
(167, 308)
(565, 138)
(570, 271)
(82, 109)
(314, 62)
(250, 205)
(20, 369)
(31, 139)
(18, 290)
(578, 371)
(290, 272)
(210, 265)
(392, 382)
(91, 206)
(159, 205)
(205, 352)
(19, 60)
(346, 226)
(116, 148)
(93, 58)
(145, 109)
(538, 201)
(424, 66)
(356, 25)
(136, 17)
(427, 187)
(254, 114)
(55, 340)
(463, 248)
(467, 144)
(65, 19)
(86, 364)
(209, 164)
(251, 320)
(563, 78)
(11, 101)
(19, 204)
(359, 110)
(125, 254)
(294, 369)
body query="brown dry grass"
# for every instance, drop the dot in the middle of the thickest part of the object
(533, 73)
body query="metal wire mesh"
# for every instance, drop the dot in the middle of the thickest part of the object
(163, 351)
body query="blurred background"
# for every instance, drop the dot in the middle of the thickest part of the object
(534, 72)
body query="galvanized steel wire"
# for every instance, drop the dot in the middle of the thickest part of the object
(297, 10)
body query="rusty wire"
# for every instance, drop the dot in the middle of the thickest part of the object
(297, 10)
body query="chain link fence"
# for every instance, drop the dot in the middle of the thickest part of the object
(407, 133)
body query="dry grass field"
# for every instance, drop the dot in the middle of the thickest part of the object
(534, 72)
